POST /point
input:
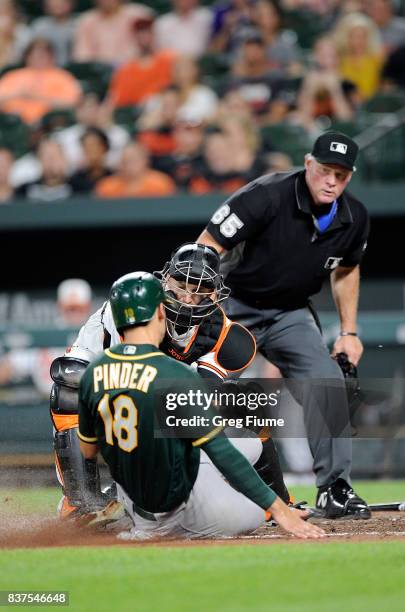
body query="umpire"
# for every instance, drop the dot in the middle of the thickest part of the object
(281, 236)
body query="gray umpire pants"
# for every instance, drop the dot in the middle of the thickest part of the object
(292, 341)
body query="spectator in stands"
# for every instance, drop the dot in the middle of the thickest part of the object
(57, 26)
(195, 97)
(14, 35)
(391, 26)
(148, 74)
(105, 33)
(181, 163)
(229, 22)
(256, 76)
(361, 53)
(39, 87)
(233, 103)
(135, 178)
(277, 162)
(95, 147)
(323, 92)
(244, 142)
(216, 172)
(156, 123)
(74, 304)
(393, 74)
(6, 164)
(91, 112)
(53, 184)
(160, 111)
(281, 45)
(186, 97)
(186, 30)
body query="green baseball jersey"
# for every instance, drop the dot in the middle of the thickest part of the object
(116, 412)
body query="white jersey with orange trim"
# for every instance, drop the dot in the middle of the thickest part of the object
(214, 349)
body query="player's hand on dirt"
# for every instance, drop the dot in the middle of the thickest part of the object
(293, 521)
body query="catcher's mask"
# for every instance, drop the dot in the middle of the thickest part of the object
(192, 279)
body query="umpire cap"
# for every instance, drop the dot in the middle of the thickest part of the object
(335, 148)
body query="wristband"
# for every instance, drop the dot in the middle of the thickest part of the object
(344, 333)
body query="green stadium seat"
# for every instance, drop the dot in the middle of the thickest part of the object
(8, 68)
(385, 103)
(127, 116)
(31, 8)
(213, 64)
(58, 119)
(93, 76)
(14, 134)
(306, 27)
(292, 140)
(384, 160)
(351, 128)
(83, 5)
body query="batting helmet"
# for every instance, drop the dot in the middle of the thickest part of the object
(134, 299)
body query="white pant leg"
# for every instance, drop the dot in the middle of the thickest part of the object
(213, 509)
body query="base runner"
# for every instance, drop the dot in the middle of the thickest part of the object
(169, 487)
(197, 332)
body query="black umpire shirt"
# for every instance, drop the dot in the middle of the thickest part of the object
(277, 258)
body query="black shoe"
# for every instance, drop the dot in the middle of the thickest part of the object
(338, 500)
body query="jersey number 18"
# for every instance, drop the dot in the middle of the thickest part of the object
(123, 424)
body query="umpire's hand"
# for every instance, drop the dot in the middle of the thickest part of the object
(351, 345)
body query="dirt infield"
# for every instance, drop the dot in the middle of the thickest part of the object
(29, 532)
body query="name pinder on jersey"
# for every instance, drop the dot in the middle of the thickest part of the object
(123, 375)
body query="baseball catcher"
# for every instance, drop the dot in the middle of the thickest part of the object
(187, 487)
(197, 332)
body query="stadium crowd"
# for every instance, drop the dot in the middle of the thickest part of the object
(118, 99)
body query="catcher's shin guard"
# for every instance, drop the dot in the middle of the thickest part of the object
(79, 477)
(269, 469)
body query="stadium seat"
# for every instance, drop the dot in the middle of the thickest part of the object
(213, 64)
(93, 76)
(385, 103)
(292, 140)
(58, 119)
(306, 27)
(8, 68)
(127, 116)
(14, 134)
(31, 8)
(384, 160)
(351, 128)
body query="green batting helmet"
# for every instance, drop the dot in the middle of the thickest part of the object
(134, 299)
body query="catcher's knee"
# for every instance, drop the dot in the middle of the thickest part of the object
(66, 373)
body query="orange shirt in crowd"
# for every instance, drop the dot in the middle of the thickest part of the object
(200, 185)
(49, 88)
(135, 81)
(152, 184)
(157, 143)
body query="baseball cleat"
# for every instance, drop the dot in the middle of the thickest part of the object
(113, 511)
(338, 500)
(66, 510)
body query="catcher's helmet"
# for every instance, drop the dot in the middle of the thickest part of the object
(196, 268)
(134, 299)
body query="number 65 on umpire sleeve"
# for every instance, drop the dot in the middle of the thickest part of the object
(228, 224)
